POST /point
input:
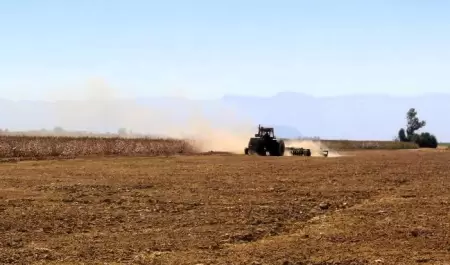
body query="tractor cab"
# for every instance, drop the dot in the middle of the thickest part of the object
(265, 132)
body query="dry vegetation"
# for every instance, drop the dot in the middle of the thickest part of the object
(444, 146)
(39, 147)
(346, 145)
(371, 207)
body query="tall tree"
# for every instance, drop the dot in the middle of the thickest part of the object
(413, 123)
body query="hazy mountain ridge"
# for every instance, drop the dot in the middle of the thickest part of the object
(359, 117)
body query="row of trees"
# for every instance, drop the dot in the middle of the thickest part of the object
(424, 139)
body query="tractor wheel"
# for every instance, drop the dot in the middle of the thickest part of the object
(281, 148)
(246, 150)
(273, 149)
(277, 148)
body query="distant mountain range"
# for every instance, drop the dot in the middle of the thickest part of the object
(358, 117)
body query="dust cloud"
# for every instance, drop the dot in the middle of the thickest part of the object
(216, 127)
(209, 128)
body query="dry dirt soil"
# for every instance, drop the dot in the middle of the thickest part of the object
(371, 207)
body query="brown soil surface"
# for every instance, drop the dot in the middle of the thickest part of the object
(371, 207)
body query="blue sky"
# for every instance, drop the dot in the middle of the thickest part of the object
(205, 49)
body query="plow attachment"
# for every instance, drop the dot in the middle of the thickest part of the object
(303, 151)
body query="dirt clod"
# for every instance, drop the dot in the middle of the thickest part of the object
(324, 205)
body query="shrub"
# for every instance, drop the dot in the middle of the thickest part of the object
(425, 140)
(402, 135)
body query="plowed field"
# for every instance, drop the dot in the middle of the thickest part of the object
(371, 207)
